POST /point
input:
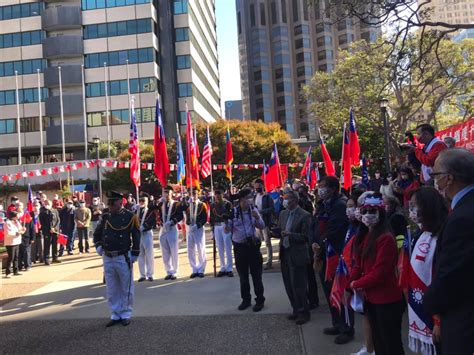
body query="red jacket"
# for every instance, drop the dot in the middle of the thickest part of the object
(376, 275)
(429, 158)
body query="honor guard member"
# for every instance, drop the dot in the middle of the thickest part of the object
(171, 214)
(221, 211)
(117, 240)
(196, 218)
(146, 259)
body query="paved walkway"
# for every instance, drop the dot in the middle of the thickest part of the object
(62, 309)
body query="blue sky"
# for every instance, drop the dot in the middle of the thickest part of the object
(228, 51)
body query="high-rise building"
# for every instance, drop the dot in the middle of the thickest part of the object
(233, 109)
(171, 51)
(450, 11)
(281, 44)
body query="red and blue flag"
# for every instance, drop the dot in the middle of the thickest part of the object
(340, 284)
(354, 141)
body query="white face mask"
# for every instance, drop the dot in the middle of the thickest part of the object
(69, 206)
(285, 203)
(370, 220)
(322, 192)
(350, 212)
(377, 176)
(357, 214)
(414, 215)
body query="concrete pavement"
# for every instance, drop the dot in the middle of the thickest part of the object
(67, 301)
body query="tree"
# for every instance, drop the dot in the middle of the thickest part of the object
(251, 143)
(360, 79)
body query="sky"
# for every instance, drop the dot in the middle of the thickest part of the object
(228, 51)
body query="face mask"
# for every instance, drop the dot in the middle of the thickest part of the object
(259, 190)
(350, 212)
(414, 215)
(370, 220)
(285, 203)
(69, 206)
(250, 201)
(357, 214)
(95, 202)
(296, 187)
(48, 207)
(404, 177)
(322, 192)
(82, 205)
(377, 176)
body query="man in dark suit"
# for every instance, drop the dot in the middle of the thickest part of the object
(450, 294)
(293, 229)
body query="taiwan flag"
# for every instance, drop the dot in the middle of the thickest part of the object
(346, 162)
(272, 171)
(162, 166)
(30, 199)
(229, 156)
(341, 282)
(306, 171)
(354, 141)
(328, 165)
(332, 259)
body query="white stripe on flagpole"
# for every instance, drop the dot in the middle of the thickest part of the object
(63, 138)
(84, 109)
(18, 116)
(40, 116)
(107, 108)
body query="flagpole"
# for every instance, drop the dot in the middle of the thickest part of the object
(106, 80)
(61, 105)
(84, 110)
(18, 128)
(128, 92)
(264, 176)
(188, 158)
(214, 250)
(40, 114)
(279, 163)
(342, 152)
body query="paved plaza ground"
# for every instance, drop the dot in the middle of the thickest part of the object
(62, 309)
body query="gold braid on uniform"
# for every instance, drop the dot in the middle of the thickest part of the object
(134, 220)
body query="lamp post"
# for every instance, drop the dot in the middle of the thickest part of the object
(96, 141)
(383, 112)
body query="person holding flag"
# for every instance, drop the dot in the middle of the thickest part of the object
(162, 165)
(27, 238)
(272, 176)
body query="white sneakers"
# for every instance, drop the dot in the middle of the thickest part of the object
(363, 351)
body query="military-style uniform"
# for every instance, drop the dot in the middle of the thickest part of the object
(171, 213)
(196, 218)
(221, 211)
(146, 260)
(119, 236)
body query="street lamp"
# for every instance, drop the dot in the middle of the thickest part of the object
(383, 112)
(96, 141)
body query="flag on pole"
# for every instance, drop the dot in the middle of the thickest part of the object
(365, 172)
(331, 261)
(198, 154)
(30, 199)
(272, 171)
(341, 282)
(206, 156)
(314, 176)
(229, 156)
(403, 264)
(191, 156)
(328, 165)
(133, 148)
(346, 162)
(181, 167)
(353, 141)
(306, 171)
(162, 166)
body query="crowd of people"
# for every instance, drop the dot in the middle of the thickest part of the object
(404, 241)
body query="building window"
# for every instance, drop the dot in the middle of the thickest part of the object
(252, 15)
(282, 73)
(304, 127)
(21, 39)
(274, 13)
(118, 117)
(101, 4)
(23, 67)
(323, 27)
(239, 23)
(181, 34)
(185, 90)
(325, 55)
(281, 59)
(283, 11)
(183, 61)
(301, 29)
(302, 43)
(134, 56)
(114, 29)
(8, 126)
(303, 57)
(305, 10)
(180, 7)
(31, 124)
(263, 21)
(120, 87)
(304, 71)
(295, 10)
(26, 96)
(324, 41)
(23, 10)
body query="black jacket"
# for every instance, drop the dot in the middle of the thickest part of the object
(176, 212)
(66, 218)
(201, 214)
(49, 219)
(149, 222)
(268, 209)
(451, 291)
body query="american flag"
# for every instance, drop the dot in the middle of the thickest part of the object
(206, 156)
(133, 148)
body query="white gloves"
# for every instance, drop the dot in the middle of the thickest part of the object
(99, 250)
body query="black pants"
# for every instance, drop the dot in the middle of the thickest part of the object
(50, 246)
(249, 259)
(338, 319)
(37, 249)
(296, 281)
(12, 260)
(25, 255)
(313, 296)
(386, 323)
(83, 234)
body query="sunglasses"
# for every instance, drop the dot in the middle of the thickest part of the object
(369, 211)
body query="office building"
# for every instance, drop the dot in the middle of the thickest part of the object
(281, 44)
(171, 51)
(233, 110)
(450, 11)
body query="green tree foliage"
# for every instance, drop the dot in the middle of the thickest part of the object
(251, 144)
(363, 75)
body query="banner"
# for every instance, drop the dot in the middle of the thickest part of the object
(463, 133)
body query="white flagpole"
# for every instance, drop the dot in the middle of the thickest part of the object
(342, 153)
(40, 114)
(62, 114)
(84, 109)
(18, 129)
(210, 161)
(106, 80)
(128, 93)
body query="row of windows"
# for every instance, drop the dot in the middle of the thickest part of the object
(27, 124)
(183, 61)
(282, 73)
(113, 29)
(117, 117)
(185, 90)
(23, 67)
(96, 60)
(21, 39)
(180, 7)
(8, 126)
(119, 87)
(18, 11)
(26, 96)
(102, 4)
(181, 34)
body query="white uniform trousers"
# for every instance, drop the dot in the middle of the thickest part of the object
(119, 283)
(197, 243)
(169, 245)
(146, 259)
(224, 246)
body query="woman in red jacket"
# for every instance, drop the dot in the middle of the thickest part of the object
(374, 276)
